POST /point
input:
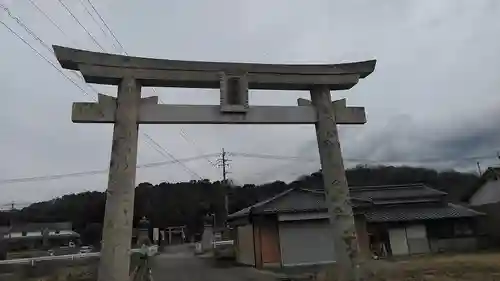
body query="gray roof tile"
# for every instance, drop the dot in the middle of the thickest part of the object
(292, 200)
(388, 192)
(419, 213)
(303, 200)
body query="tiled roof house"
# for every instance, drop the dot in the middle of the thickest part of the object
(292, 227)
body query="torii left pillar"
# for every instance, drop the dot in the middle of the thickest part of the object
(117, 228)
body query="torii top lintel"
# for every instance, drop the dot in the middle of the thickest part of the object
(103, 68)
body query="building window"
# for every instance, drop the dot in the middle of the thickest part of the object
(462, 229)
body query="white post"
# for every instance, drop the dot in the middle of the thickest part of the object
(336, 187)
(117, 230)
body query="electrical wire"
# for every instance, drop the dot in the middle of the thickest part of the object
(95, 21)
(44, 58)
(155, 145)
(362, 160)
(158, 164)
(45, 45)
(106, 25)
(52, 22)
(268, 156)
(80, 23)
(182, 132)
(96, 172)
(161, 150)
(166, 152)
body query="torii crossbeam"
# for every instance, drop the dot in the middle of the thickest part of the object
(128, 110)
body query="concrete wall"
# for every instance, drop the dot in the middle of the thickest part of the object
(487, 194)
(453, 244)
(488, 226)
(56, 270)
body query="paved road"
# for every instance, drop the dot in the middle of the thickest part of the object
(179, 264)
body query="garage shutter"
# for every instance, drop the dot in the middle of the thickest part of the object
(306, 242)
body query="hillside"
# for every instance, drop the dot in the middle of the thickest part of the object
(186, 203)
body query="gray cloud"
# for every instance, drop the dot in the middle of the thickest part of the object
(433, 93)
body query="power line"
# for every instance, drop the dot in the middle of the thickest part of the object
(156, 146)
(96, 172)
(95, 21)
(43, 57)
(77, 74)
(80, 23)
(269, 156)
(25, 27)
(106, 25)
(223, 161)
(162, 150)
(364, 160)
(182, 133)
(45, 45)
(52, 21)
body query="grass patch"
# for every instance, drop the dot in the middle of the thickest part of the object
(466, 267)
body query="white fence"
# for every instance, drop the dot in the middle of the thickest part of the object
(54, 258)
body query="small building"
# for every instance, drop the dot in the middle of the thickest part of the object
(38, 236)
(292, 228)
(484, 196)
(487, 189)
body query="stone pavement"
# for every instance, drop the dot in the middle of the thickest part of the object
(178, 263)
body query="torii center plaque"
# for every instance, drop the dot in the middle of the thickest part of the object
(234, 80)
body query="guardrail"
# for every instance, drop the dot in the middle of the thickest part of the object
(32, 261)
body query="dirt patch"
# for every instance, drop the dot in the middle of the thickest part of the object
(470, 267)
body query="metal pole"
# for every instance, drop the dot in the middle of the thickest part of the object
(226, 187)
(117, 230)
(336, 187)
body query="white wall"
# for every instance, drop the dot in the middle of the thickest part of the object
(486, 194)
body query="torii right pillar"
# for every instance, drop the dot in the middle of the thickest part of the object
(336, 189)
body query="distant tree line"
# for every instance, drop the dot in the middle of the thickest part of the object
(188, 203)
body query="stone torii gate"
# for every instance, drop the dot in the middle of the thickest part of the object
(128, 110)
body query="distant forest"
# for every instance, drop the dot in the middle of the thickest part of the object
(187, 203)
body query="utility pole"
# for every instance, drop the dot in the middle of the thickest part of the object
(224, 165)
(223, 162)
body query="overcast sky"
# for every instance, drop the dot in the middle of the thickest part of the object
(434, 93)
